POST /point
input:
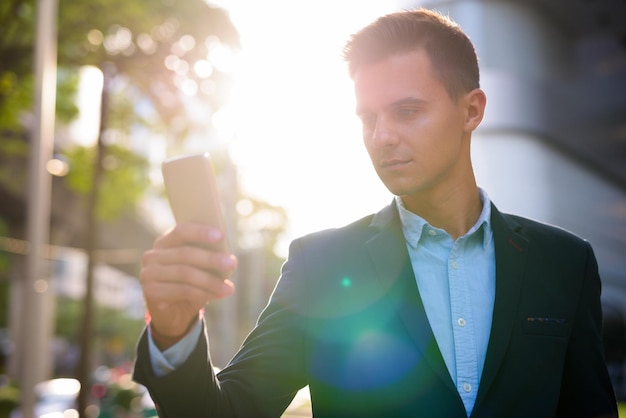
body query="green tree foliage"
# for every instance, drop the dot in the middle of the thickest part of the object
(125, 179)
(16, 49)
(155, 49)
(17, 42)
(111, 324)
(136, 36)
(156, 43)
(4, 283)
(17, 35)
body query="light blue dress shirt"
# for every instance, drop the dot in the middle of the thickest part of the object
(457, 283)
(166, 361)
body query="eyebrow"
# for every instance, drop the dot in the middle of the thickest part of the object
(414, 101)
(408, 101)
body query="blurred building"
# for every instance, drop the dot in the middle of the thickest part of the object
(113, 288)
(552, 145)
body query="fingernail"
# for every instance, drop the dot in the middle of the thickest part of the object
(227, 287)
(228, 261)
(215, 234)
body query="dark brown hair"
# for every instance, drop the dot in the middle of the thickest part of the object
(451, 52)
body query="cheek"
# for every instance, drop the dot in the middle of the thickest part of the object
(368, 142)
(430, 135)
(371, 150)
(366, 137)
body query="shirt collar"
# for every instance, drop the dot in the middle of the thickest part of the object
(414, 225)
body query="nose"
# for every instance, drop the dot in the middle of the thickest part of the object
(384, 133)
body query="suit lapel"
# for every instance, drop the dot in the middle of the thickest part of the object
(389, 254)
(511, 250)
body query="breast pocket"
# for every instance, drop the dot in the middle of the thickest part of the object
(546, 326)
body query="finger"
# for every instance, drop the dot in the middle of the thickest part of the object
(197, 257)
(170, 298)
(155, 277)
(164, 296)
(189, 233)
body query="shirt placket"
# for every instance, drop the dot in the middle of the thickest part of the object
(462, 326)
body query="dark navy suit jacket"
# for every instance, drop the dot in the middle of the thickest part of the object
(346, 319)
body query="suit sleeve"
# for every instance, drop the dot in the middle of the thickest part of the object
(262, 378)
(186, 391)
(586, 389)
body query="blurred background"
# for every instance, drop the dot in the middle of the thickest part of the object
(94, 95)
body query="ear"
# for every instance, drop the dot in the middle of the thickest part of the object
(475, 102)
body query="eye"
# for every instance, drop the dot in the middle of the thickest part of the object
(406, 112)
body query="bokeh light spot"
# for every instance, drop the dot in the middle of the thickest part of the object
(40, 286)
(146, 43)
(187, 42)
(189, 87)
(203, 68)
(57, 167)
(172, 62)
(95, 37)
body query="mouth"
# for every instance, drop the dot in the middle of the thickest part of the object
(393, 163)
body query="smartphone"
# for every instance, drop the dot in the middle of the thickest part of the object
(192, 191)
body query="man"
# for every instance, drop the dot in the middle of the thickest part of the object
(437, 306)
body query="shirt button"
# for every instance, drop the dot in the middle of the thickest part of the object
(467, 387)
(455, 265)
(461, 321)
(432, 232)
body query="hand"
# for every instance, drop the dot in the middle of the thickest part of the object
(181, 274)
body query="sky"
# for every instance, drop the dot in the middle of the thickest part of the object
(295, 137)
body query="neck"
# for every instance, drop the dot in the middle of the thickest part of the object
(454, 210)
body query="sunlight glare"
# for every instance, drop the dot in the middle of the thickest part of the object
(297, 142)
(203, 68)
(84, 129)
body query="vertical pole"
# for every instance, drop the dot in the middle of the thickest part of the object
(84, 369)
(35, 338)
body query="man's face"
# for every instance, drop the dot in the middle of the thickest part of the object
(416, 135)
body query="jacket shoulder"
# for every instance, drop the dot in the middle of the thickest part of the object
(538, 231)
(361, 229)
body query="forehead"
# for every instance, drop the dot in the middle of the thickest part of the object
(396, 77)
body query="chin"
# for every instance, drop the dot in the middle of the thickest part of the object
(400, 185)
(397, 190)
(402, 190)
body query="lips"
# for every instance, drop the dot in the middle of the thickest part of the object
(391, 163)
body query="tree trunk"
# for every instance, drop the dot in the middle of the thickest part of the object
(83, 371)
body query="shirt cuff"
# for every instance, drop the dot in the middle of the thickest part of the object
(164, 362)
